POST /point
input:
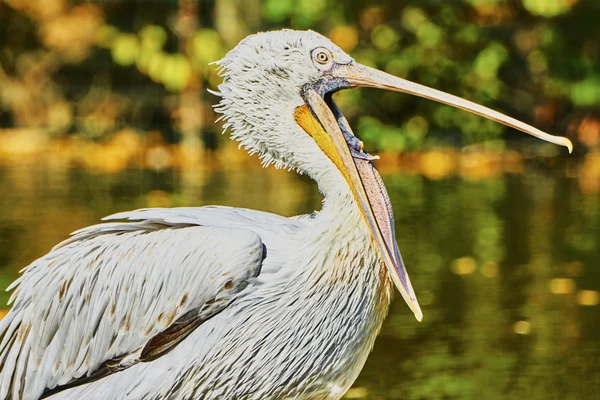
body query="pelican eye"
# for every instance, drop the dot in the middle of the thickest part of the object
(322, 56)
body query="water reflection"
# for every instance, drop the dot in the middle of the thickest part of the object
(505, 267)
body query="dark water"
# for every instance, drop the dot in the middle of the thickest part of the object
(506, 268)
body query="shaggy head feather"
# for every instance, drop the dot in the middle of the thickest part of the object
(262, 81)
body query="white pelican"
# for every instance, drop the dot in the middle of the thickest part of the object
(227, 303)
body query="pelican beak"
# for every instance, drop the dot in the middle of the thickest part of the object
(322, 120)
(361, 75)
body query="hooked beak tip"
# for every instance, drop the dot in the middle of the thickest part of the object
(414, 306)
(419, 316)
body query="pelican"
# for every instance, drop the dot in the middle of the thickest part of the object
(228, 303)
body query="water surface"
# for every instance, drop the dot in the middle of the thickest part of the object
(506, 267)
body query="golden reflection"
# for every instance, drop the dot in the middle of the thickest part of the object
(463, 266)
(562, 286)
(589, 176)
(478, 165)
(522, 327)
(588, 297)
(438, 164)
(127, 148)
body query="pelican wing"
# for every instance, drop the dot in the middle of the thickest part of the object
(118, 293)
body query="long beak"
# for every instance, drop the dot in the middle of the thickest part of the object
(361, 75)
(318, 121)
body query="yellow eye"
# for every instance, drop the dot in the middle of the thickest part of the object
(322, 56)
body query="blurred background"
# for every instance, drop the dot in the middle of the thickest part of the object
(104, 108)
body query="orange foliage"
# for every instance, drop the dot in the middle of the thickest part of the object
(588, 131)
(72, 34)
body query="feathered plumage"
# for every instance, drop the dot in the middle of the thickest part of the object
(222, 303)
(96, 301)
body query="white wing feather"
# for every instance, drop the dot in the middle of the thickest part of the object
(110, 288)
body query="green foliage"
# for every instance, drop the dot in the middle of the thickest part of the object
(207, 47)
(489, 61)
(385, 38)
(125, 49)
(379, 136)
(489, 51)
(586, 92)
(548, 8)
(277, 10)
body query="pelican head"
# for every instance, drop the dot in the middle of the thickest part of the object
(276, 98)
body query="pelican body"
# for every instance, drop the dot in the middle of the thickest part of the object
(226, 303)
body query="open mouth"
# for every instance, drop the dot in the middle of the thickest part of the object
(330, 129)
(372, 183)
(354, 144)
(321, 118)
